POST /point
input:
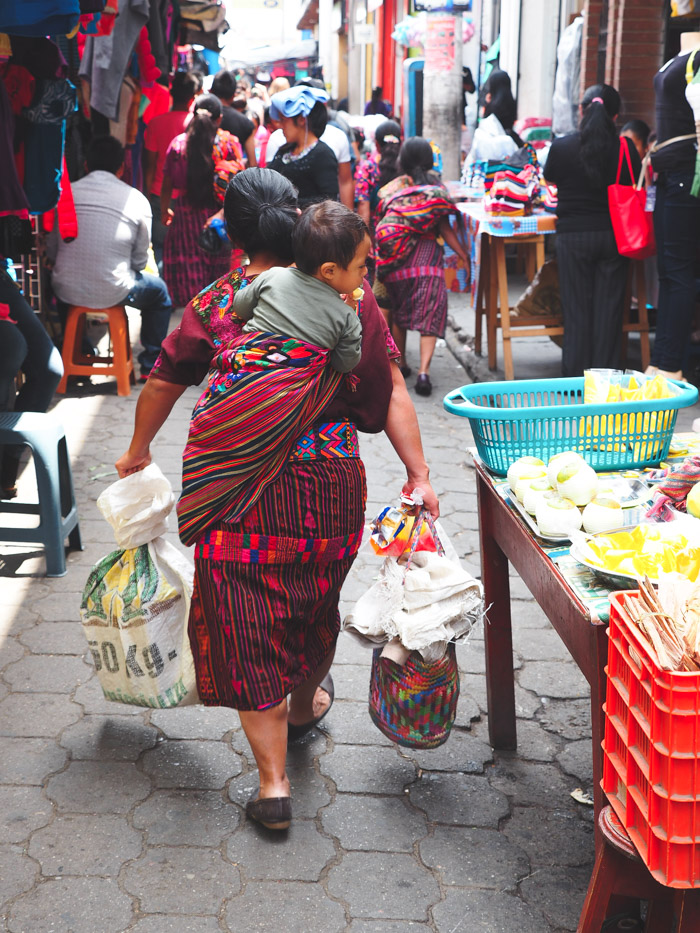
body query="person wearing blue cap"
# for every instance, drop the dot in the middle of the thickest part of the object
(305, 160)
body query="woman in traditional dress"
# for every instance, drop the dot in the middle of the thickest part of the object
(373, 172)
(413, 218)
(264, 618)
(195, 164)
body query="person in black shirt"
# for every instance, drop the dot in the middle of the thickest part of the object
(308, 163)
(224, 87)
(592, 274)
(676, 212)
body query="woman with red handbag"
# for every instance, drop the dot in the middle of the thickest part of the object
(592, 273)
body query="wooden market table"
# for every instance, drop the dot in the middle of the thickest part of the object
(488, 236)
(504, 538)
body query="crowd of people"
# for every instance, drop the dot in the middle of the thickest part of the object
(301, 264)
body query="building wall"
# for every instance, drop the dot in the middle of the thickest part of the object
(625, 49)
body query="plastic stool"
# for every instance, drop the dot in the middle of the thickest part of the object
(119, 363)
(57, 511)
(619, 874)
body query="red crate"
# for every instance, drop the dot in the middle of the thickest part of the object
(651, 767)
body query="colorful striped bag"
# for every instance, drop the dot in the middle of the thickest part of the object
(415, 703)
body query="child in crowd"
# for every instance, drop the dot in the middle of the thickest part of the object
(638, 132)
(331, 244)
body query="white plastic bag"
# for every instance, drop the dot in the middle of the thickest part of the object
(136, 601)
(438, 602)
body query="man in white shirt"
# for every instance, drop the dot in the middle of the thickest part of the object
(102, 266)
(337, 140)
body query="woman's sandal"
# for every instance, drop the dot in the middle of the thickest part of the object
(270, 812)
(297, 732)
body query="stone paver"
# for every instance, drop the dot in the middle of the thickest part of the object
(180, 818)
(459, 801)
(385, 926)
(195, 722)
(117, 738)
(486, 912)
(22, 810)
(571, 719)
(384, 824)
(551, 837)
(55, 638)
(29, 761)
(576, 759)
(300, 854)
(551, 890)
(375, 770)
(193, 764)
(181, 880)
(17, 873)
(264, 903)
(71, 905)
(121, 819)
(381, 885)
(163, 924)
(36, 714)
(481, 858)
(553, 679)
(38, 673)
(462, 752)
(98, 787)
(530, 783)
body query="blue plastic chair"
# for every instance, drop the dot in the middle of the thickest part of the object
(57, 511)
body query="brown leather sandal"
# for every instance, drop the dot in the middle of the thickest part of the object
(271, 812)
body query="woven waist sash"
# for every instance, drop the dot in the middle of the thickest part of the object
(327, 440)
(249, 548)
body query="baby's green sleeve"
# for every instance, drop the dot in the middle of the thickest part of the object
(348, 351)
(246, 299)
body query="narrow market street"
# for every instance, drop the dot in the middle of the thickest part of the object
(120, 819)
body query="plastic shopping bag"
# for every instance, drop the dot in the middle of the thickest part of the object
(136, 600)
(423, 602)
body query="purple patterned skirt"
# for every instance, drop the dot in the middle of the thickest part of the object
(417, 290)
(187, 268)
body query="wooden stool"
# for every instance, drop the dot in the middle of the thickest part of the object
(619, 873)
(118, 363)
(637, 272)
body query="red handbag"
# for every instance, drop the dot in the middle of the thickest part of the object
(633, 225)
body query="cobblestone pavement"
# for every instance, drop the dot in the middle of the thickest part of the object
(116, 819)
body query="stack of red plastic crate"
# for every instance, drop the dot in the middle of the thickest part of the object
(651, 770)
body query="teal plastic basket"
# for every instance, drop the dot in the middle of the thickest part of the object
(542, 417)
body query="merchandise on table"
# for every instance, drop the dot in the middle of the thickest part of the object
(554, 494)
(543, 417)
(647, 550)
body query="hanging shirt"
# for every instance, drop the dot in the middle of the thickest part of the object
(160, 132)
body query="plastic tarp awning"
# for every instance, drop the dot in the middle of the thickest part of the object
(266, 54)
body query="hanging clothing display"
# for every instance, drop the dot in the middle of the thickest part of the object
(44, 139)
(106, 58)
(39, 17)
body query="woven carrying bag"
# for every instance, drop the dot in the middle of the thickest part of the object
(414, 704)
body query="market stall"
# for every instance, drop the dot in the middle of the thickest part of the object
(608, 443)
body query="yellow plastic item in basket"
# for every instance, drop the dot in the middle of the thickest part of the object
(602, 387)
